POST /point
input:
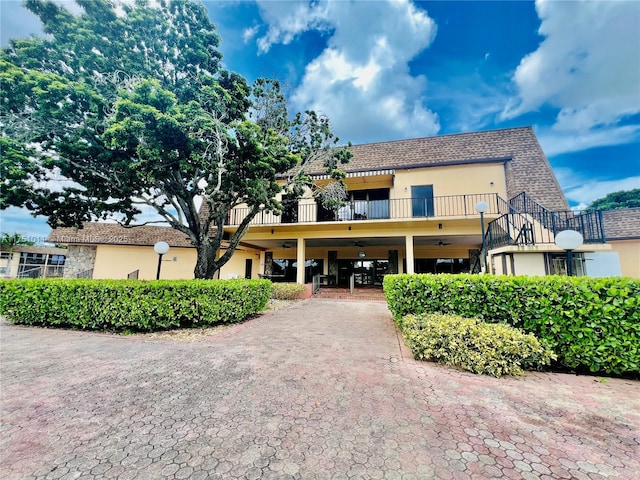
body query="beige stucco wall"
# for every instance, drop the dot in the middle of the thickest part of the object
(453, 180)
(117, 261)
(629, 255)
(529, 264)
(235, 267)
(523, 264)
(10, 265)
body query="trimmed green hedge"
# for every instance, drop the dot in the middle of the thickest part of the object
(593, 324)
(131, 305)
(287, 291)
(484, 348)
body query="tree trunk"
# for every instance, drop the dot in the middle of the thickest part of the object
(206, 265)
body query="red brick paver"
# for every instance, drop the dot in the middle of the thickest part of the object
(318, 390)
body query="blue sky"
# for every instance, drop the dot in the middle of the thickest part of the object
(385, 70)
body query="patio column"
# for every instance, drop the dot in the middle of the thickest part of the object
(409, 254)
(300, 260)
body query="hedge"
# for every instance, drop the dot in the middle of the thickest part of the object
(286, 291)
(593, 324)
(131, 305)
(484, 348)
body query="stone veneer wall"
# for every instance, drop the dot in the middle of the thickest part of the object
(80, 258)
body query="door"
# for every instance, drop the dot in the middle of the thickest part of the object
(422, 200)
(248, 268)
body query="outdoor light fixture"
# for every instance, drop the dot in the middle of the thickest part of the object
(569, 240)
(161, 248)
(482, 207)
(361, 254)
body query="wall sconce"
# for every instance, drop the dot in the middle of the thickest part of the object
(361, 254)
(272, 231)
(439, 226)
(349, 227)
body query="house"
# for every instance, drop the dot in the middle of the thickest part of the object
(23, 261)
(622, 228)
(411, 207)
(108, 250)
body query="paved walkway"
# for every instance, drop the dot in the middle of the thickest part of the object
(318, 390)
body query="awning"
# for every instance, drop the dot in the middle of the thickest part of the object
(366, 173)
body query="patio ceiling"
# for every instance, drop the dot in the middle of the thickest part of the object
(435, 240)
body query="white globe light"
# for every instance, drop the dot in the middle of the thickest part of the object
(482, 207)
(569, 240)
(161, 248)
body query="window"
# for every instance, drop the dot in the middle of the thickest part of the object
(557, 264)
(422, 200)
(442, 265)
(33, 258)
(289, 209)
(57, 259)
(366, 205)
(286, 270)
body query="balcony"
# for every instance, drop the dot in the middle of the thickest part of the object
(307, 211)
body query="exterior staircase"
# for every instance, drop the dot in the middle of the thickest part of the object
(526, 222)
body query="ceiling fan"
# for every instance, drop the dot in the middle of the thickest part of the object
(440, 243)
(358, 244)
(286, 245)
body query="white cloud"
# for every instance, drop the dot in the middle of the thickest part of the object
(362, 79)
(554, 142)
(587, 67)
(286, 20)
(249, 33)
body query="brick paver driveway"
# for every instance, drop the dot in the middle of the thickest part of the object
(319, 390)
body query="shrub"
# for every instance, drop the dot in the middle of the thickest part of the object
(593, 324)
(286, 291)
(483, 348)
(132, 305)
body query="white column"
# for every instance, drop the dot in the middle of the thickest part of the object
(409, 255)
(301, 259)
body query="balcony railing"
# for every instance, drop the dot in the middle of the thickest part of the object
(395, 209)
(531, 228)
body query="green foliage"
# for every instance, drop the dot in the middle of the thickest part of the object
(483, 348)
(286, 291)
(593, 324)
(131, 305)
(617, 200)
(133, 107)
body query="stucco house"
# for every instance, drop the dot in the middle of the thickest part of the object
(622, 228)
(25, 261)
(411, 207)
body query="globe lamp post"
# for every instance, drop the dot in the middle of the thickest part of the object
(481, 208)
(569, 240)
(161, 248)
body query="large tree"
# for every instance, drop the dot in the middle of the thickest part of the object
(130, 107)
(617, 200)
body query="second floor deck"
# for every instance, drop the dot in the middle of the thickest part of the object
(307, 211)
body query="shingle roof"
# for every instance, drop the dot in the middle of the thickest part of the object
(34, 249)
(621, 224)
(97, 233)
(527, 168)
